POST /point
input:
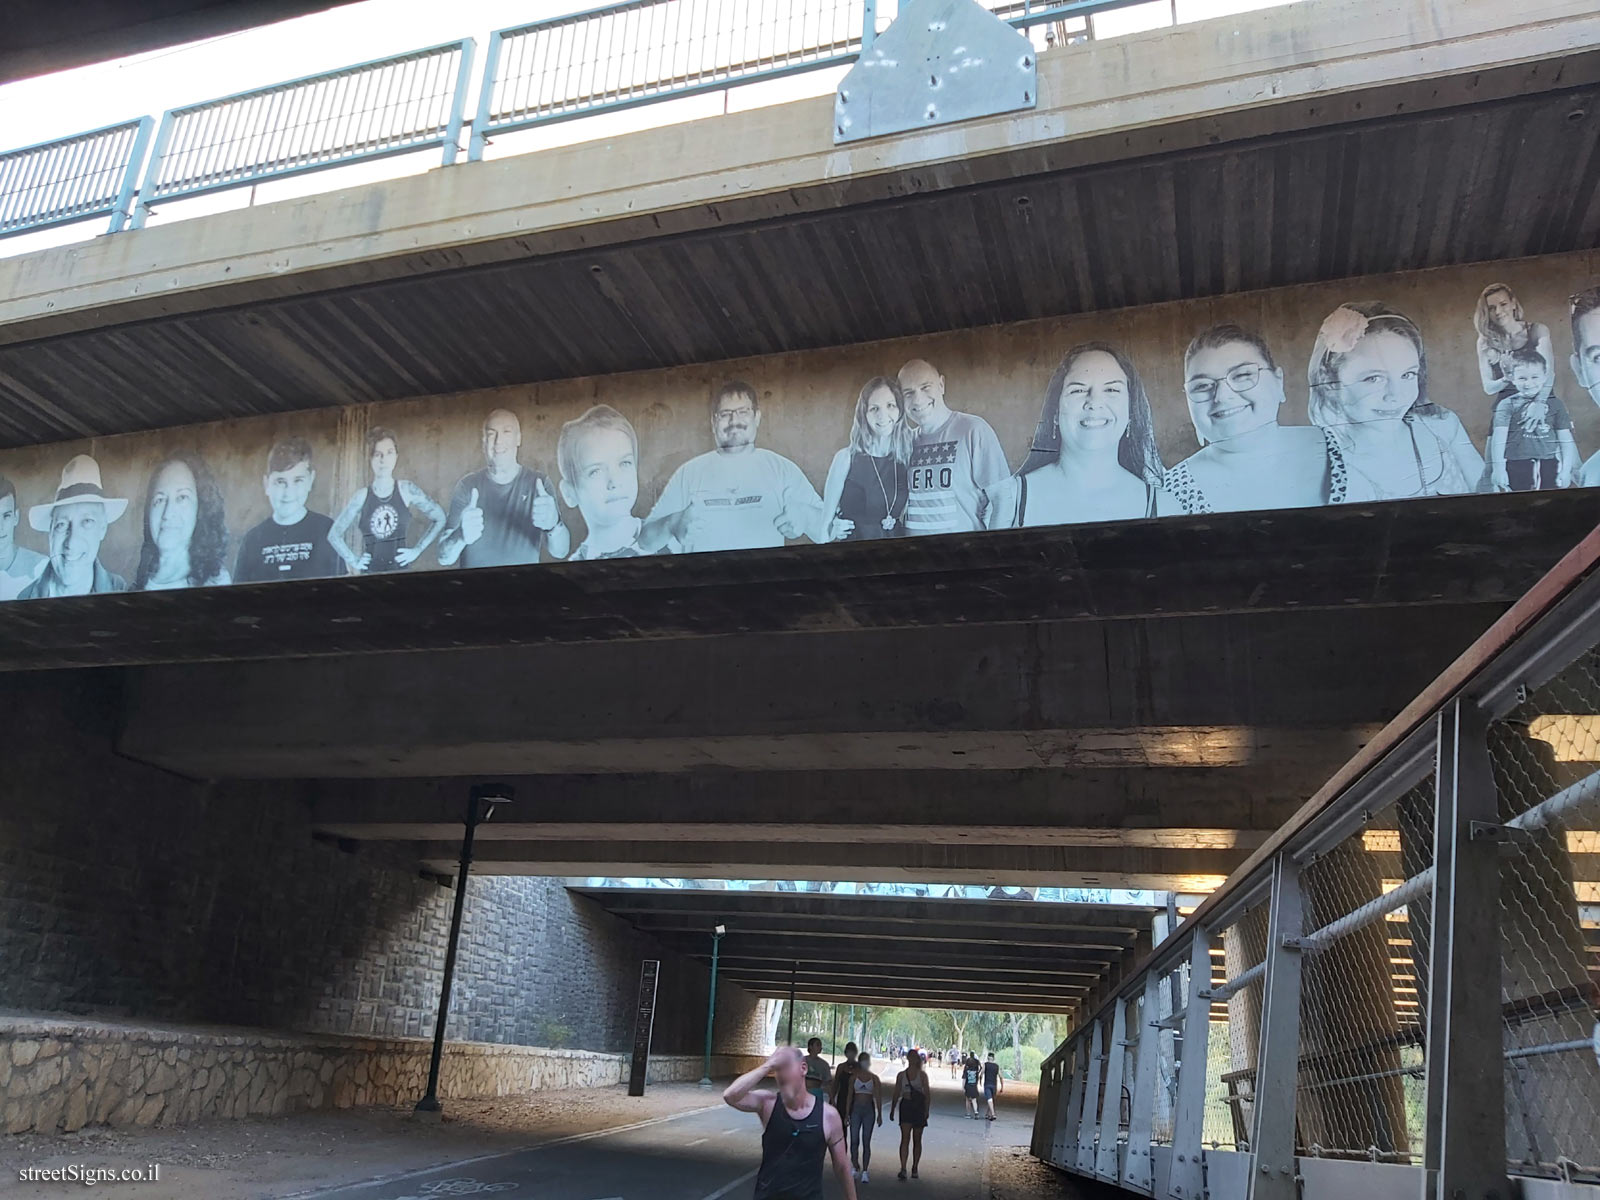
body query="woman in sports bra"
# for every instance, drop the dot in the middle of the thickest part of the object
(1093, 456)
(865, 1113)
(910, 1099)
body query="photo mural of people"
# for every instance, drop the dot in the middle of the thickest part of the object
(598, 457)
(76, 522)
(955, 457)
(738, 496)
(381, 513)
(292, 543)
(1093, 455)
(864, 497)
(1502, 331)
(1585, 361)
(19, 566)
(1531, 446)
(1247, 460)
(1369, 386)
(185, 529)
(1389, 418)
(503, 513)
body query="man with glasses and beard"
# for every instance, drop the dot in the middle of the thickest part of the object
(738, 496)
(799, 1129)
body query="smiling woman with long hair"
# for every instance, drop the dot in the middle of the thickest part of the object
(864, 497)
(1503, 329)
(1369, 387)
(1093, 455)
(185, 534)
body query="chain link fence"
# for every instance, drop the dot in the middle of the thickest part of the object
(1545, 754)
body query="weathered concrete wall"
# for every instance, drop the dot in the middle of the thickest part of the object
(126, 891)
(63, 1075)
(998, 372)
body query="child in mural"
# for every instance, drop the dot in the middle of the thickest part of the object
(1585, 364)
(1093, 456)
(1502, 331)
(19, 566)
(185, 531)
(292, 543)
(598, 456)
(868, 481)
(1369, 387)
(1531, 447)
(736, 497)
(1246, 459)
(955, 457)
(381, 512)
(503, 513)
(76, 522)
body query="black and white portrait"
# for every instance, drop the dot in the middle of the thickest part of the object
(185, 527)
(503, 513)
(292, 543)
(381, 512)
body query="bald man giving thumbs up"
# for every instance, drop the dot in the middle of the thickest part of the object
(505, 513)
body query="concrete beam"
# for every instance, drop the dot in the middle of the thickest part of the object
(1291, 68)
(1110, 867)
(1198, 692)
(1131, 806)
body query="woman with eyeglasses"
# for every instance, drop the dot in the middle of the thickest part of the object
(1093, 456)
(1246, 459)
(1369, 388)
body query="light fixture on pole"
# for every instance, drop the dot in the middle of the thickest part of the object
(481, 803)
(717, 935)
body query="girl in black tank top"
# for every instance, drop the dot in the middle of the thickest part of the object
(792, 1153)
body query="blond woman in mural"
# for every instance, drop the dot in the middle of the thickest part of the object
(1502, 331)
(1093, 456)
(1246, 459)
(1369, 387)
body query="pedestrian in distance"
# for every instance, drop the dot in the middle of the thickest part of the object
(994, 1083)
(910, 1101)
(866, 1113)
(799, 1130)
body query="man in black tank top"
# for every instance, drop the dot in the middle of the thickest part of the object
(798, 1130)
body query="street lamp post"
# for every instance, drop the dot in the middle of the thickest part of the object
(481, 802)
(717, 935)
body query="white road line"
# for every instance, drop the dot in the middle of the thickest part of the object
(696, 1142)
(728, 1187)
(384, 1181)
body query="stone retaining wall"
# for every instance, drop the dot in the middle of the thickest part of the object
(65, 1074)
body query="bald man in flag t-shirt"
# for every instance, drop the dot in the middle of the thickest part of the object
(954, 457)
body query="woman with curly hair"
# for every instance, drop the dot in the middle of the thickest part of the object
(1093, 456)
(185, 536)
(1369, 387)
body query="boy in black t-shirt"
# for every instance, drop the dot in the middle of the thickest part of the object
(293, 542)
(993, 1085)
(971, 1073)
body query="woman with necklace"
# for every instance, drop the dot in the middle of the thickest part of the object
(1369, 387)
(1503, 329)
(865, 493)
(185, 534)
(1093, 456)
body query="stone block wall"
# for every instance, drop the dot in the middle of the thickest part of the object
(127, 892)
(58, 1075)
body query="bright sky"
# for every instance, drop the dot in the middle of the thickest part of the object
(69, 102)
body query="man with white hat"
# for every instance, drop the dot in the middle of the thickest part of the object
(76, 522)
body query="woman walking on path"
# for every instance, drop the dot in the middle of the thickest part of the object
(866, 1113)
(910, 1099)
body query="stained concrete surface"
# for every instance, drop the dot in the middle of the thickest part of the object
(677, 1143)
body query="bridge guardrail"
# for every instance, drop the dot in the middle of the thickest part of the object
(389, 106)
(579, 64)
(1405, 979)
(73, 178)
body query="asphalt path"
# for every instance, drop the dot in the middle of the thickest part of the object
(707, 1154)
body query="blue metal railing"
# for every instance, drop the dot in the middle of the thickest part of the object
(72, 178)
(372, 110)
(603, 59)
